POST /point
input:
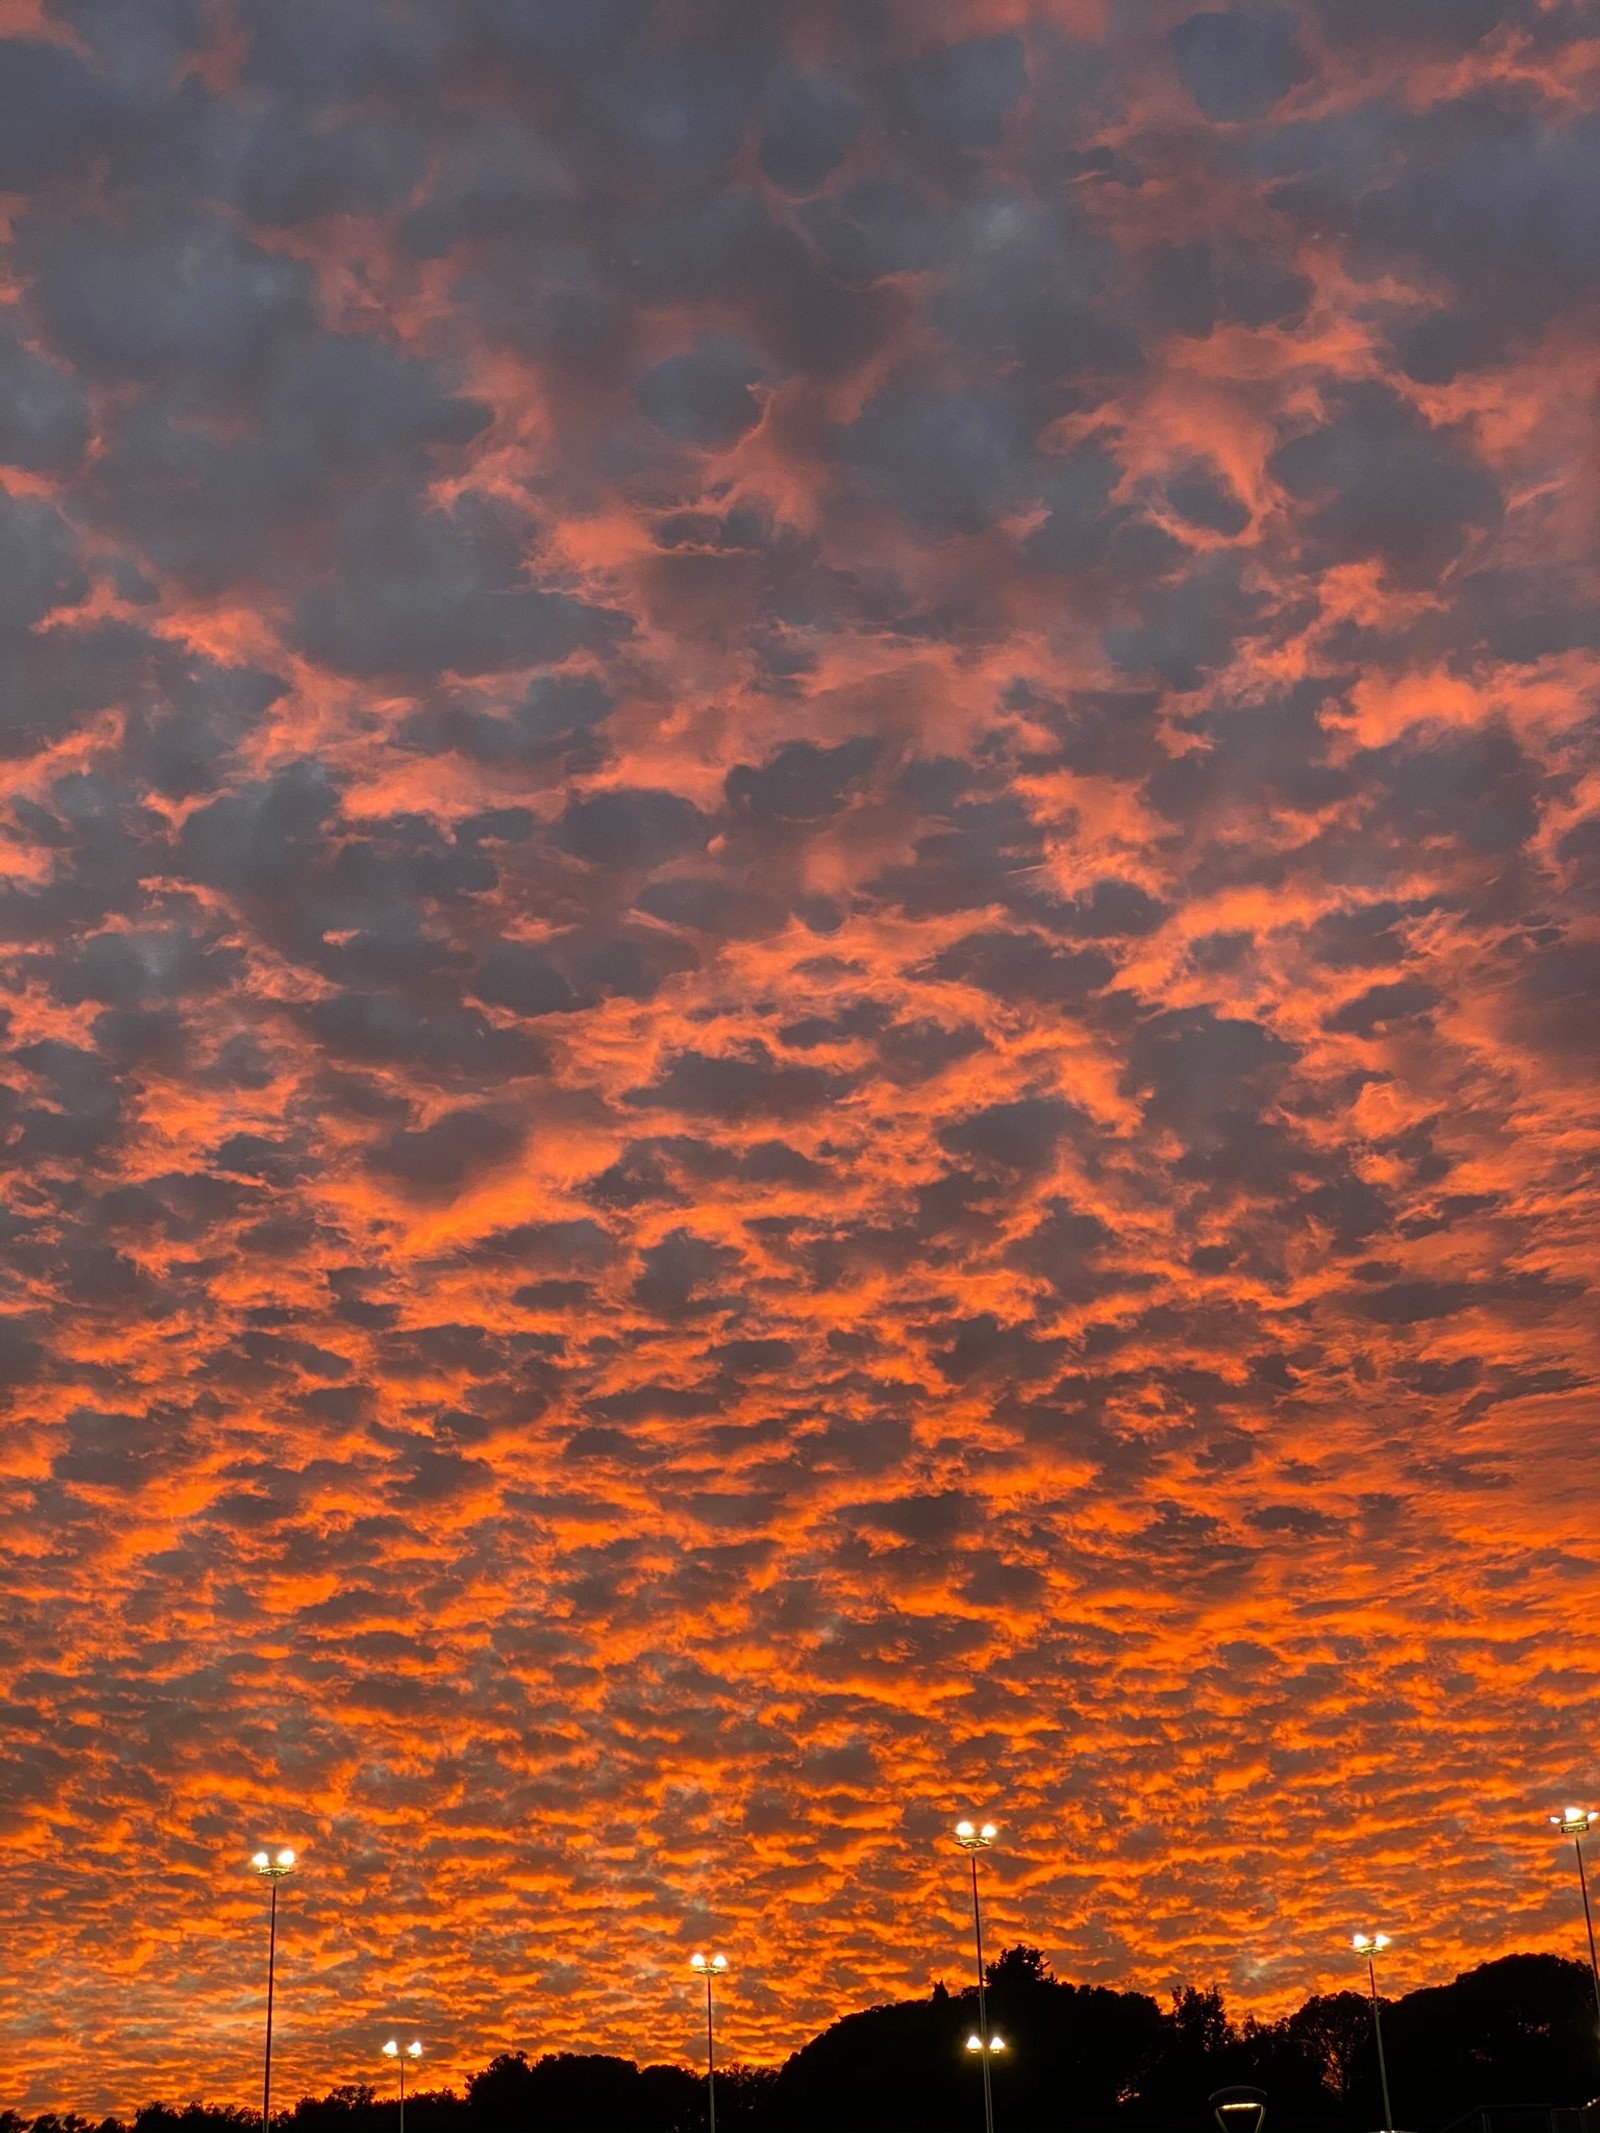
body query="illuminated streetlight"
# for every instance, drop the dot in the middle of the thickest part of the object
(412, 2051)
(1239, 2109)
(709, 1967)
(272, 1867)
(974, 1837)
(1576, 1823)
(1371, 1945)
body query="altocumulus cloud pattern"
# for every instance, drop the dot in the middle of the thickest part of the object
(801, 869)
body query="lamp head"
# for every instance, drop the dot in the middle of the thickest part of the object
(414, 2049)
(1239, 2110)
(971, 1838)
(996, 2044)
(1575, 1821)
(391, 2050)
(1369, 1943)
(719, 1963)
(974, 2043)
(274, 1864)
(697, 1961)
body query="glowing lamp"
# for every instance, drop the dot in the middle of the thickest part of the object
(392, 2050)
(1239, 2110)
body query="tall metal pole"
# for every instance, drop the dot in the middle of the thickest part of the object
(1377, 2031)
(983, 2005)
(271, 1866)
(1588, 1921)
(402, 2057)
(711, 2064)
(272, 1963)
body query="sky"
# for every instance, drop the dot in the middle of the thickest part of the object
(801, 920)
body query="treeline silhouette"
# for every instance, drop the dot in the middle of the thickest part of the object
(1078, 2059)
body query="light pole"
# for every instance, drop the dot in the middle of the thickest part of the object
(412, 2051)
(1576, 1823)
(272, 1866)
(974, 1839)
(710, 1966)
(1370, 1945)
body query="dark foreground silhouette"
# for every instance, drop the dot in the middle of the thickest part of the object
(1078, 2059)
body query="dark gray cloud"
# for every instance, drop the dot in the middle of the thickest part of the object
(189, 298)
(1192, 288)
(1201, 499)
(801, 782)
(55, 109)
(629, 827)
(809, 123)
(40, 565)
(126, 969)
(44, 422)
(874, 228)
(706, 397)
(1377, 480)
(417, 591)
(1013, 1137)
(952, 462)
(1238, 62)
(960, 97)
(493, 180)
(517, 975)
(744, 1085)
(333, 410)
(52, 679)
(259, 839)
(1023, 282)
(439, 1158)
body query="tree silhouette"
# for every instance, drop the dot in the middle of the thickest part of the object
(1078, 2059)
(1333, 2034)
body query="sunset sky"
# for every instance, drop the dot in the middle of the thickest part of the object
(802, 931)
